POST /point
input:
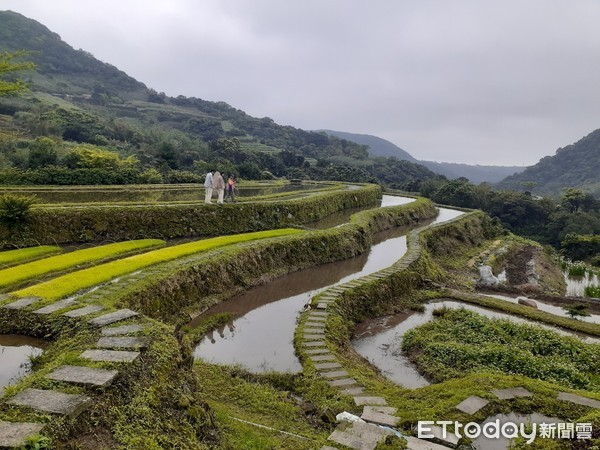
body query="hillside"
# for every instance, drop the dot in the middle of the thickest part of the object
(474, 173)
(76, 100)
(576, 165)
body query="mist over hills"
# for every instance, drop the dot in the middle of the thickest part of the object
(474, 173)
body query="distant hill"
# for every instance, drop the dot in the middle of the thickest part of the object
(576, 165)
(377, 145)
(60, 68)
(76, 99)
(474, 173)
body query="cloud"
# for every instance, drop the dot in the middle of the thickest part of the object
(464, 81)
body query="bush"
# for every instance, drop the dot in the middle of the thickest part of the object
(15, 209)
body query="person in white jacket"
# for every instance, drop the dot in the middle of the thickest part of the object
(208, 185)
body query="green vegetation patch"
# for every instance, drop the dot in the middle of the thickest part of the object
(58, 263)
(10, 257)
(70, 283)
(458, 342)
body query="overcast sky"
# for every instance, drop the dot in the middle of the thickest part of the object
(474, 81)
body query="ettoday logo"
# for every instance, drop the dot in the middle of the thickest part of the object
(508, 430)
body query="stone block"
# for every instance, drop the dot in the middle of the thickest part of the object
(316, 351)
(334, 374)
(13, 434)
(123, 329)
(507, 394)
(51, 401)
(579, 400)
(83, 375)
(362, 401)
(56, 306)
(328, 365)
(113, 317)
(359, 436)
(420, 444)
(22, 303)
(342, 382)
(131, 342)
(314, 344)
(472, 404)
(110, 355)
(319, 358)
(85, 311)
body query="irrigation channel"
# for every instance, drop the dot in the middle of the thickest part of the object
(16, 352)
(260, 337)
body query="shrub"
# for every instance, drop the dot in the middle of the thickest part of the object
(15, 209)
(592, 291)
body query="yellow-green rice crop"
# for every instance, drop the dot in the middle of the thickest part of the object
(66, 261)
(72, 282)
(10, 257)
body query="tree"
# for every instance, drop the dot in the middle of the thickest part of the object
(8, 65)
(573, 199)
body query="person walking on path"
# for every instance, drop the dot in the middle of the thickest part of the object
(219, 185)
(230, 189)
(208, 185)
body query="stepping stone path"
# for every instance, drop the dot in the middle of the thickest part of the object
(13, 435)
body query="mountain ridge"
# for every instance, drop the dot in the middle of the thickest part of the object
(475, 173)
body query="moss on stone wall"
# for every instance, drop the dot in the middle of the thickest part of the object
(117, 223)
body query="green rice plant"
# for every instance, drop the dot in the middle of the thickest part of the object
(72, 282)
(23, 272)
(11, 257)
(592, 291)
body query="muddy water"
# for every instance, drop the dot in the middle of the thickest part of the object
(557, 310)
(15, 354)
(380, 340)
(261, 336)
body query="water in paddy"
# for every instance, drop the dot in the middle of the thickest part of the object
(260, 338)
(555, 309)
(576, 284)
(380, 340)
(151, 195)
(15, 354)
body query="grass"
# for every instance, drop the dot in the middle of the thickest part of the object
(237, 398)
(23, 272)
(72, 282)
(11, 257)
